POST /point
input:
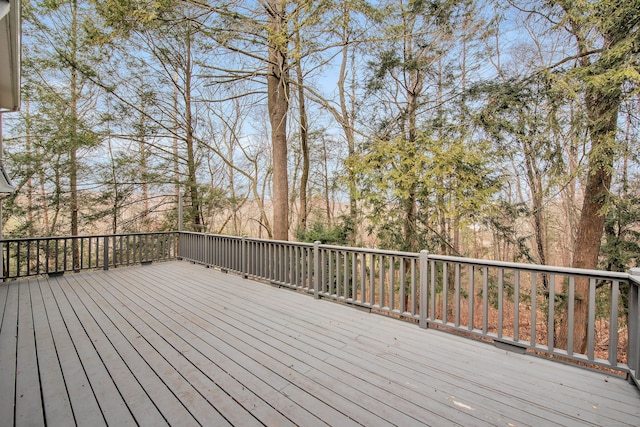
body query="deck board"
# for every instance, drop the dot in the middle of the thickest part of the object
(140, 405)
(250, 353)
(57, 406)
(8, 341)
(28, 409)
(302, 357)
(179, 344)
(204, 357)
(139, 363)
(83, 369)
(183, 378)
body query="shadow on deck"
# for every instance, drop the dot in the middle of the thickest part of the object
(179, 344)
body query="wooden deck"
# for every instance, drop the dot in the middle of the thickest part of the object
(179, 344)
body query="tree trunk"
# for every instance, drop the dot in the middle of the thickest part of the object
(30, 190)
(347, 119)
(304, 139)
(115, 214)
(189, 139)
(602, 110)
(73, 153)
(327, 187)
(414, 85)
(43, 197)
(602, 103)
(278, 104)
(143, 169)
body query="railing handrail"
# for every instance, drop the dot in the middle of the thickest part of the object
(82, 236)
(534, 267)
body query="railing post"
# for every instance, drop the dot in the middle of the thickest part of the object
(424, 286)
(105, 253)
(316, 269)
(2, 275)
(244, 258)
(180, 208)
(633, 350)
(177, 248)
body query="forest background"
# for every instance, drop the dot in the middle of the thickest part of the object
(489, 129)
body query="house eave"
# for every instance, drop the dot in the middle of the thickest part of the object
(10, 52)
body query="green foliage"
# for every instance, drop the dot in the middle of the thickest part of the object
(621, 247)
(446, 178)
(330, 235)
(502, 221)
(124, 17)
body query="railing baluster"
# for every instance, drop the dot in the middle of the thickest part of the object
(311, 256)
(534, 308)
(262, 257)
(273, 254)
(372, 275)
(345, 281)
(570, 308)
(414, 288)
(316, 269)
(485, 300)
(303, 268)
(331, 279)
(82, 252)
(551, 312)
(516, 306)
(7, 263)
(296, 257)
(381, 292)
(64, 256)
(338, 273)
(105, 252)
(255, 259)
(114, 251)
(433, 315)
(300, 259)
(424, 285)
(354, 276)
(57, 255)
(613, 323)
(392, 282)
(500, 302)
(28, 257)
(403, 286)
(282, 263)
(591, 321)
(457, 290)
(362, 287)
(472, 296)
(120, 248)
(244, 260)
(289, 265)
(445, 291)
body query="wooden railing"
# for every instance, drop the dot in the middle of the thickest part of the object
(522, 307)
(57, 255)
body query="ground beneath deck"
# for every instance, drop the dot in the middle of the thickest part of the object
(180, 344)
